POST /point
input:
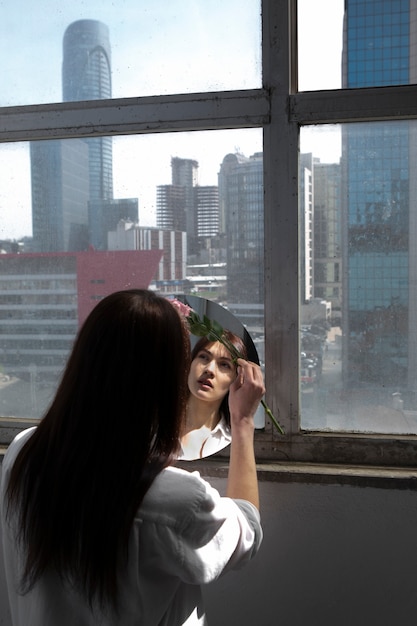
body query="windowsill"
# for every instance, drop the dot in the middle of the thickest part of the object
(314, 473)
(359, 476)
(216, 466)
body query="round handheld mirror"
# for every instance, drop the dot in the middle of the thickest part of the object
(207, 423)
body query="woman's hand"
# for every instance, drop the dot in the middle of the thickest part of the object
(245, 392)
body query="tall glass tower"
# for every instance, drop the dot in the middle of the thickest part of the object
(72, 179)
(379, 215)
(86, 75)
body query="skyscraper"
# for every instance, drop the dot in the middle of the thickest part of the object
(241, 206)
(69, 175)
(186, 206)
(207, 203)
(60, 194)
(86, 75)
(170, 207)
(327, 235)
(185, 176)
(379, 214)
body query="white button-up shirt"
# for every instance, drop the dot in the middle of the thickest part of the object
(184, 535)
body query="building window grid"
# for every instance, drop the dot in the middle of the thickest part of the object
(390, 36)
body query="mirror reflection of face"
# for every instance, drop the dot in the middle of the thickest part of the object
(211, 373)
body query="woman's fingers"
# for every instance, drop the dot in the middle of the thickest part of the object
(247, 390)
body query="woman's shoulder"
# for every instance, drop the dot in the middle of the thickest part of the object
(16, 445)
(10, 457)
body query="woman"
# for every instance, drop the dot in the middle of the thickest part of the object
(98, 527)
(207, 426)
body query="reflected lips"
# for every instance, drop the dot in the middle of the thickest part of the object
(204, 382)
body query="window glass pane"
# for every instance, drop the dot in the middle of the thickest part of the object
(61, 51)
(179, 213)
(358, 242)
(320, 37)
(353, 43)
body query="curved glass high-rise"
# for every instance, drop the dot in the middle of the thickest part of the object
(72, 180)
(86, 67)
(86, 75)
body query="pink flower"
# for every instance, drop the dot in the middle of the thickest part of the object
(182, 308)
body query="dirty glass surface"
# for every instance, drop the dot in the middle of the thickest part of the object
(54, 51)
(80, 218)
(358, 243)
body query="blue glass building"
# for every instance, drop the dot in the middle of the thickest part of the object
(378, 166)
(86, 75)
(71, 178)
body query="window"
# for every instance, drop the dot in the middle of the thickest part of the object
(301, 236)
(357, 331)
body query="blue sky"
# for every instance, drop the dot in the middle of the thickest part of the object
(157, 47)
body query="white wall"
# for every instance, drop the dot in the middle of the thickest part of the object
(332, 555)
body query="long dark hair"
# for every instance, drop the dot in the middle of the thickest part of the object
(113, 425)
(239, 344)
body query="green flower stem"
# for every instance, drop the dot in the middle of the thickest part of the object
(272, 418)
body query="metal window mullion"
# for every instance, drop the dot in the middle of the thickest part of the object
(354, 105)
(281, 217)
(203, 111)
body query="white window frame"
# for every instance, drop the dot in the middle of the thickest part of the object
(280, 111)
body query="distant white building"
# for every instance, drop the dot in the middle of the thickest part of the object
(171, 271)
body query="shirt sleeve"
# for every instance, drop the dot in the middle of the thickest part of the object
(220, 535)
